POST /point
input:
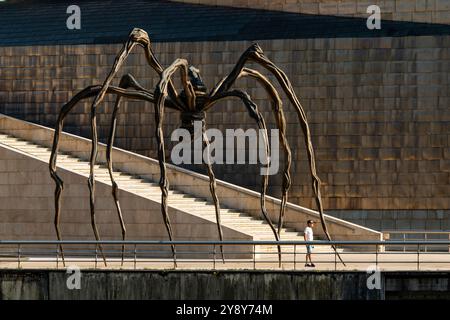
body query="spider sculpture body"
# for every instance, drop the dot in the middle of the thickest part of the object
(192, 103)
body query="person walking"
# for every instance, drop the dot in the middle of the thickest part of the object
(309, 236)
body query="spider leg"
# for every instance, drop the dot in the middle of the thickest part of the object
(182, 64)
(212, 187)
(161, 94)
(91, 179)
(277, 108)
(115, 187)
(256, 54)
(254, 112)
(88, 92)
(109, 146)
(136, 37)
(163, 182)
(126, 82)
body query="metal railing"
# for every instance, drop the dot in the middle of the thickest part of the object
(418, 235)
(207, 255)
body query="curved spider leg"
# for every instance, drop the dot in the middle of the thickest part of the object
(126, 82)
(255, 53)
(115, 187)
(255, 114)
(191, 100)
(88, 92)
(58, 181)
(136, 37)
(163, 182)
(182, 64)
(161, 94)
(277, 108)
(212, 187)
(91, 179)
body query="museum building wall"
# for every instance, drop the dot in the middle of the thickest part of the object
(378, 109)
(431, 11)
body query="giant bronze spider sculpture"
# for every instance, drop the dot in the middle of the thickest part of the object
(192, 102)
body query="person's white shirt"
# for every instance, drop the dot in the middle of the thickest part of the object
(309, 234)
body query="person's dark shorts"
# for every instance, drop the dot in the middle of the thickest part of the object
(309, 248)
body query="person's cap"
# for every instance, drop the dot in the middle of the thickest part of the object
(311, 221)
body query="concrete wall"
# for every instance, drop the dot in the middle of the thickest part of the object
(181, 285)
(213, 285)
(378, 110)
(417, 285)
(431, 11)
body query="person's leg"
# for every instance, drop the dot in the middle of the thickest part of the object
(310, 258)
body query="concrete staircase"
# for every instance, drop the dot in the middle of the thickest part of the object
(258, 229)
(26, 147)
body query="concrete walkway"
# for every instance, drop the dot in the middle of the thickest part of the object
(325, 261)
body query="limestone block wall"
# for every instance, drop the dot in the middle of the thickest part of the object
(431, 11)
(397, 219)
(378, 111)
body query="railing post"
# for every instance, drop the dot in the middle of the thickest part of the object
(18, 255)
(376, 255)
(254, 257)
(295, 256)
(57, 257)
(96, 253)
(135, 253)
(214, 257)
(426, 238)
(404, 239)
(335, 260)
(418, 257)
